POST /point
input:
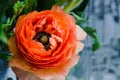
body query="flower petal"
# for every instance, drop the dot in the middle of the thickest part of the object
(58, 9)
(16, 57)
(79, 47)
(24, 75)
(29, 71)
(12, 45)
(20, 20)
(57, 73)
(81, 35)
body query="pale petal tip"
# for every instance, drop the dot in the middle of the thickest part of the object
(81, 34)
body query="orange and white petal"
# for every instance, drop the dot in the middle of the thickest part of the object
(47, 73)
(52, 73)
(79, 47)
(81, 35)
(57, 9)
(57, 73)
(60, 72)
(24, 75)
(12, 45)
(17, 58)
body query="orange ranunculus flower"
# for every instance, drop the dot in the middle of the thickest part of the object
(45, 45)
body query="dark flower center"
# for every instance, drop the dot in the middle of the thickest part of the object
(43, 37)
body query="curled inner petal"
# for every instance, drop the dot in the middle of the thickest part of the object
(43, 37)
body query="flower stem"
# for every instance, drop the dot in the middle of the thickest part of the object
(77, 3)
(60, 2)
(69, 5)
(13, 18)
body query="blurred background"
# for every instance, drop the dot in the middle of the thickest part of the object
(104, 64)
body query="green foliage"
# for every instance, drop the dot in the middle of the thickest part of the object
(5, 56)
(71, 4)
(93, 33)
(18, 7)
(82, 6)
(9, 12)
(80, 19)
(30, 5)
(60, 2)
(3, 37)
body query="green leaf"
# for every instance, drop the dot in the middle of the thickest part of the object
(9, 10)
(82, 6)
(4, 26)
(90, 30)
(8, 20)
(93, 33)
(26, 1)
(97, 44)
(80, 18)
(60, 2)
(18, 7)
(76, 4)
(3, 37)
(5, 56)
(10, 34)
(69, 5)
(29, 5)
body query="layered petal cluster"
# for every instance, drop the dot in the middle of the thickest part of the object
(45, 45)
